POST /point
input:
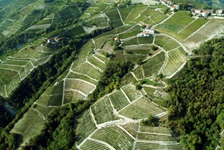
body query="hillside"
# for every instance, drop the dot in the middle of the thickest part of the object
(107, 75)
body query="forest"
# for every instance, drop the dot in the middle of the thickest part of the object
(197, 98)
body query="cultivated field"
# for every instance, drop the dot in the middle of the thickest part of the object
(103, 111)
(141, 109)
(29, 126)
(176, 58)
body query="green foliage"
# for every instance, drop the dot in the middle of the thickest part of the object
(151, 121)
(197, 98)
(111, 78)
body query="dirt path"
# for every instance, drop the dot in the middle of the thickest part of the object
(120, 16)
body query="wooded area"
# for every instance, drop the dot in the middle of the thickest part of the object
(197, 98)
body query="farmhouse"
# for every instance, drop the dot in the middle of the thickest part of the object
(146, 33)
(219, 12)
(174, 7)
(54, 40)
(206, 13)
(198, 12)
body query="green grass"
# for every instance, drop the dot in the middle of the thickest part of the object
(153, 64)
(118, 100)
(29, 125)
(85, 126)
(103, 111)
(114, 136)
(176, 58)
(93, 146)
(131, 92)
(141, 109)
(138, 73)
(145, 40)
(74, 84)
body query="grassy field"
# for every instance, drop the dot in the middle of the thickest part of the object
(118, 100)
(176, 58)
(103, 111)
(85, 126)
(141, 109)
(131, 92)
(114, 136)
(153, 64)
(29, 125)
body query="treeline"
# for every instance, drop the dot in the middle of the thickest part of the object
(111, 79)
(197, 98)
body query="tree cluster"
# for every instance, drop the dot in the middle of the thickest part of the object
(111, 78)
(197, 98)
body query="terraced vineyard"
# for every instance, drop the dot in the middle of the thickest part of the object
(117, 119)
